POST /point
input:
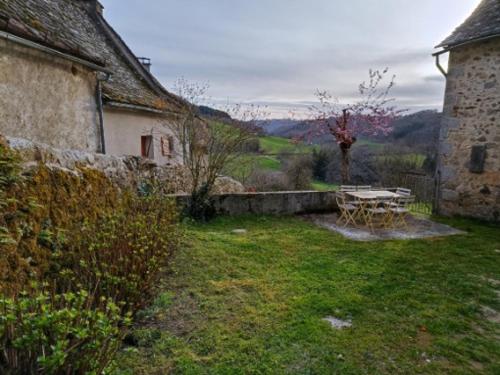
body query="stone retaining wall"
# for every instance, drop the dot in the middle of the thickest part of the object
(270, 203)
(126, 172)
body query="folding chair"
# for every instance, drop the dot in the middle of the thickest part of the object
(403, 191)
(347, 210)
(344, 188)
(375, 210)
(400, 211)
(388, 205)
(363, 188)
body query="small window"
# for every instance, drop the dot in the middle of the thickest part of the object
(477, 159)
(167, 146)
(147, 149)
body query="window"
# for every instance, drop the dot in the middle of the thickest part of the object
(147, 149)
(167, 146)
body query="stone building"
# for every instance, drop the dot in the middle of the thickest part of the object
(468, 170)
(68, 80)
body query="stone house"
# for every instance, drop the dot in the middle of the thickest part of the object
(68, 80)
(468, 168)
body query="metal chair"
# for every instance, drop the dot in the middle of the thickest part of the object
(344, 188)
(400, 211)
(347, 210)
(364, 188)
(375, 209)
(403, 191)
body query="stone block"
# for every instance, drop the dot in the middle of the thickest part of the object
(449, 195)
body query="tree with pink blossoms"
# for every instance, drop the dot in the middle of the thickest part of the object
(371, 115)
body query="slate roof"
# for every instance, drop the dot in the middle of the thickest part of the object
(484, 22)
(77, 28)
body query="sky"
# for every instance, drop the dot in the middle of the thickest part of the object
(278, 53)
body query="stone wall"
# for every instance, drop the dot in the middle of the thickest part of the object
(271, 203)
(126, 172)
(47, 99)
(471, 118)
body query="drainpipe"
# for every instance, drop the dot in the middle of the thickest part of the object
(101, 78)
(438, 63)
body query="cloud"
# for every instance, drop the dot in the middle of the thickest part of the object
(279, 52)
(435, 78)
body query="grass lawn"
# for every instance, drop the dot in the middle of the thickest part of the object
(275, 145)
(373, 145)
(254, 303)
(323, 186)
(268, 162)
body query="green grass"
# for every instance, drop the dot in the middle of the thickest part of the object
(275, 145)
(417, 160)
(271, 146)
(254, 303)
(268, 162)
(323, 186)
(373, 145)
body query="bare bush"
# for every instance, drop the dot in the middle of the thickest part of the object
(298, 170)
(261, 180)
(208, 146)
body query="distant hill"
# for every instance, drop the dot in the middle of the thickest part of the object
(213, 113)
(418, 130)
(277, 126)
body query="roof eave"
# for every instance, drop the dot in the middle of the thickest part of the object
(448, 47)
(136, 107)
(54, 52)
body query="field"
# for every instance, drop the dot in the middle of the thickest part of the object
(323, 186)
(275, 145)
(271, 147)
(268, 160)
(254, 303)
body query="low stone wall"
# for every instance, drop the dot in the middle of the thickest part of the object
(127, 172)
(270, 203)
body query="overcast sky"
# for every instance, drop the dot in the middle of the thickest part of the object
(279, 52)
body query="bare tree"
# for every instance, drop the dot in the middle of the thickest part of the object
(209, 145)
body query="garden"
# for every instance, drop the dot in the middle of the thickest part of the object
(97, 280)
(255, 302)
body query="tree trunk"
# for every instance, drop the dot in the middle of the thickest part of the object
(345, 170)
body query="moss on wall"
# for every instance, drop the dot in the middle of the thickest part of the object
(38, 207)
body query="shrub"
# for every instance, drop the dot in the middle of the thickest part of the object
(298, 170)
(42, 332)
(320, 160)
(268, 181)
(81, 283)
(121, 256)
(251, 145)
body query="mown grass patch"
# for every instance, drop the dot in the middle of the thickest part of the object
(323, 186)
(275, 145)
(254, 303)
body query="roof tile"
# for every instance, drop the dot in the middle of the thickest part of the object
(484, 22)
(76, 28)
